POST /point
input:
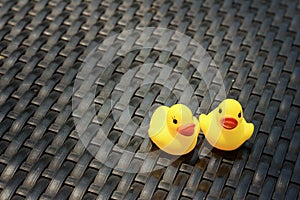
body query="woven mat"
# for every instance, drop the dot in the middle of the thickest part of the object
(80, 79)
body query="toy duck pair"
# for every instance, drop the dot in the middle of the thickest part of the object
(175, 130)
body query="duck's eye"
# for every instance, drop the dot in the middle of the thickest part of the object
(240, 114)
(175, 121)
(220, 110)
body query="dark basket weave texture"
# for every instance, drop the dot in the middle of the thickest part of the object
(43, 44)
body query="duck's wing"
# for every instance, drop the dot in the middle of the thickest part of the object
(249, 129)
(204, 122)
(158, 120)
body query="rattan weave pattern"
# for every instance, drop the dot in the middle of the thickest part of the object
(43, 44)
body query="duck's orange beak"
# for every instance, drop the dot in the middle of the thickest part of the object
(229, 123)
(186, 130)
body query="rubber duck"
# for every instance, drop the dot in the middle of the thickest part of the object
(174, 129)
(225, 127)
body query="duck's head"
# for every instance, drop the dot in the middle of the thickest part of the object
(229, 114)
(180, 120)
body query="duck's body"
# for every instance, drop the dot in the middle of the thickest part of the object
(174, 138)
(224, 127)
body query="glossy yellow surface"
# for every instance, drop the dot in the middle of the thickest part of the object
(225, 127)
(174, 130)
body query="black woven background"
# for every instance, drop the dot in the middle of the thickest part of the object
(42, 45)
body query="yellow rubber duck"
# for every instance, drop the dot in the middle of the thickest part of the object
(174, 130)
(225, 127)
